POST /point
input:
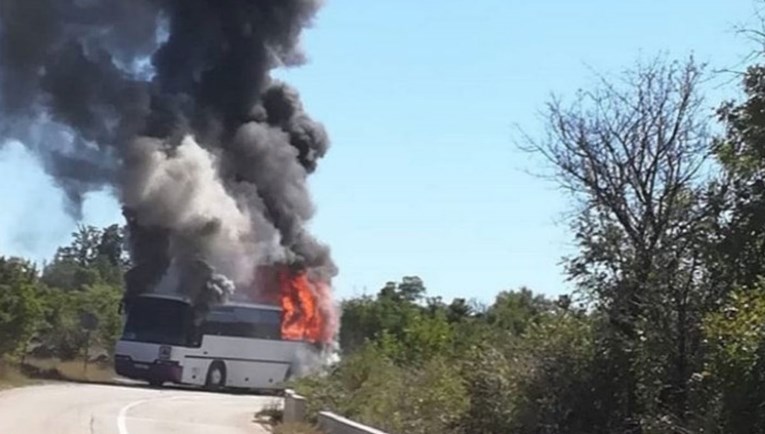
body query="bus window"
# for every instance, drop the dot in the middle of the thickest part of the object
(264, 323)
(271, 323)
(246, 322)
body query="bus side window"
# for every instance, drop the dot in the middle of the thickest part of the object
(213, 328)
(261, 323)
(271, 324)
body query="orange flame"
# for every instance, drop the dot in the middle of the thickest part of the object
(305, 317)
(306, 302)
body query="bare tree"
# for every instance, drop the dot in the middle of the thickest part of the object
(633, 154)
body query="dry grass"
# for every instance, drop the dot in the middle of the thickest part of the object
(73, 370)
(271, 418)
(295, 428)
(270, 415)
(14, 374)
(11, 376)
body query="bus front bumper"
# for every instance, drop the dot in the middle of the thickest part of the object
(160, 371)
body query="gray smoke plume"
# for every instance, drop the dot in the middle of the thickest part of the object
(170, 103)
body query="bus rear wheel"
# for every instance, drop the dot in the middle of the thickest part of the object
(216, 376)
(156, 383)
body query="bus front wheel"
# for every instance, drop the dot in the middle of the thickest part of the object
(216, 376)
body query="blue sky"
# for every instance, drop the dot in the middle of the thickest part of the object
(421, 98)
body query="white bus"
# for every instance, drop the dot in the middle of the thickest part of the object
(237, 345)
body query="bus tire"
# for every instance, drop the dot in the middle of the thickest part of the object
(216, 376)
(156, 383)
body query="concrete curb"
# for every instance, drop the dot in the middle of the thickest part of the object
(330, 423)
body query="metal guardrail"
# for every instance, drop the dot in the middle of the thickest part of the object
(330, 423)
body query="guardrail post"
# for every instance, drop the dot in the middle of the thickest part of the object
(294, 407)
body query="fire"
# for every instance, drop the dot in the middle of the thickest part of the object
(304, 316)
(307, 313)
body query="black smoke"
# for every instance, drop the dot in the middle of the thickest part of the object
(170, 103)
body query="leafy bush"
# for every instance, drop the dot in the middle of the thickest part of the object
(20, 307)
(735, 370)
(62, 334)
(538, 382)
(369, 388)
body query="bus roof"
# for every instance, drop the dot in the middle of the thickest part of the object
(246, 305)
(239, 304)
(164, 297)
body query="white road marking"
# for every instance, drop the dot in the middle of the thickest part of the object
(187, 424)
(122, 417)
(126, 410)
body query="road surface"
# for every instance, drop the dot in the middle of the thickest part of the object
(97, 409)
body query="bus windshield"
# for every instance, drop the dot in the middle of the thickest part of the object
(158, 321)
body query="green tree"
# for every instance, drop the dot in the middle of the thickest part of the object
(63, 334)
(94, 256)
(490, 390)
(741, 153)
(426, 337)
(20, 309)
(111, 246)
(392, 311)
(85, 277)
(735, 369)
(517, 310)
(556, 380)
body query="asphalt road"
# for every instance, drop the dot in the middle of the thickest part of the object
(97, 409)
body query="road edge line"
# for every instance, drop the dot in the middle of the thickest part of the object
(122, 416)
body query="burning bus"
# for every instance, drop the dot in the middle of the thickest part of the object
(209, 156)
(252, 343)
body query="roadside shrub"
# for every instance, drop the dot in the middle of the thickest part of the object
(369, 388)
(553, 379)
(734, 377)
(271, 415)
(20, 307)
(538, 382)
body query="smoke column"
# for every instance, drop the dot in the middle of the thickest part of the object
(170, 104)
